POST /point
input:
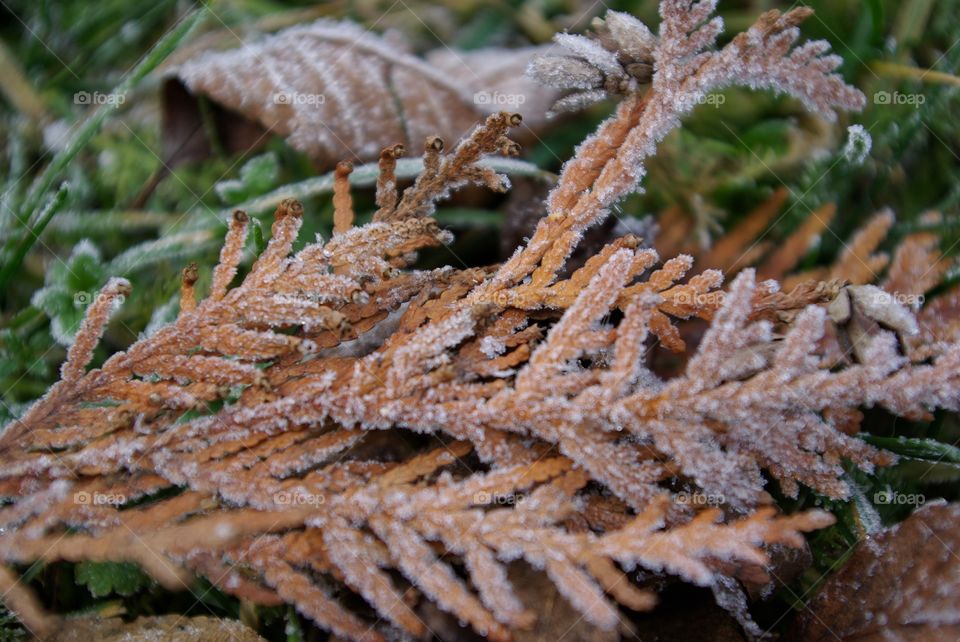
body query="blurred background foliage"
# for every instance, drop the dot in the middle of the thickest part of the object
(124, 214)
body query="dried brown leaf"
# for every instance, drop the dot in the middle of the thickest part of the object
(338, 91)
(904, 584)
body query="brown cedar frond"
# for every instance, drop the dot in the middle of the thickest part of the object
(188, 297)
(296, 587)
(94, 323)
(230, 255)
(255, 437)
(747, 243)
(609, 164)
(387, 181)
(342, 201)
(732, 252)
(286, 224)
(453, 170)
(917, 266)
(858, 263)
(939, 323)
(357, 555)
(78, 357)
(21, 601)
(858, 270)
(796, 246)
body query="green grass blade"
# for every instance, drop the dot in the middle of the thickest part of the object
(53, 205)
(42, 185)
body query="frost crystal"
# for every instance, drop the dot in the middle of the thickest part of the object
(268, 423)
(858, 145)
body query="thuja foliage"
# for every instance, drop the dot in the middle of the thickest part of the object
(254, 439)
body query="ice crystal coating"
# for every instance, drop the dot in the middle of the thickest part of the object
(858, 144)
(263, 429)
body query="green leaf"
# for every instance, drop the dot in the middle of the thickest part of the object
(104, 578)
(176, 248)
(875, 8)
(69, 287)
(921, 471)
(10, 628)
(914, 448)
(293, 629)
(257, 177)
(259, 243)
(21, 355)
(53, 205)
(260, 173)
(768, 135)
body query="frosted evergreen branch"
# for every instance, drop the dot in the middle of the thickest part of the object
(366, 176)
